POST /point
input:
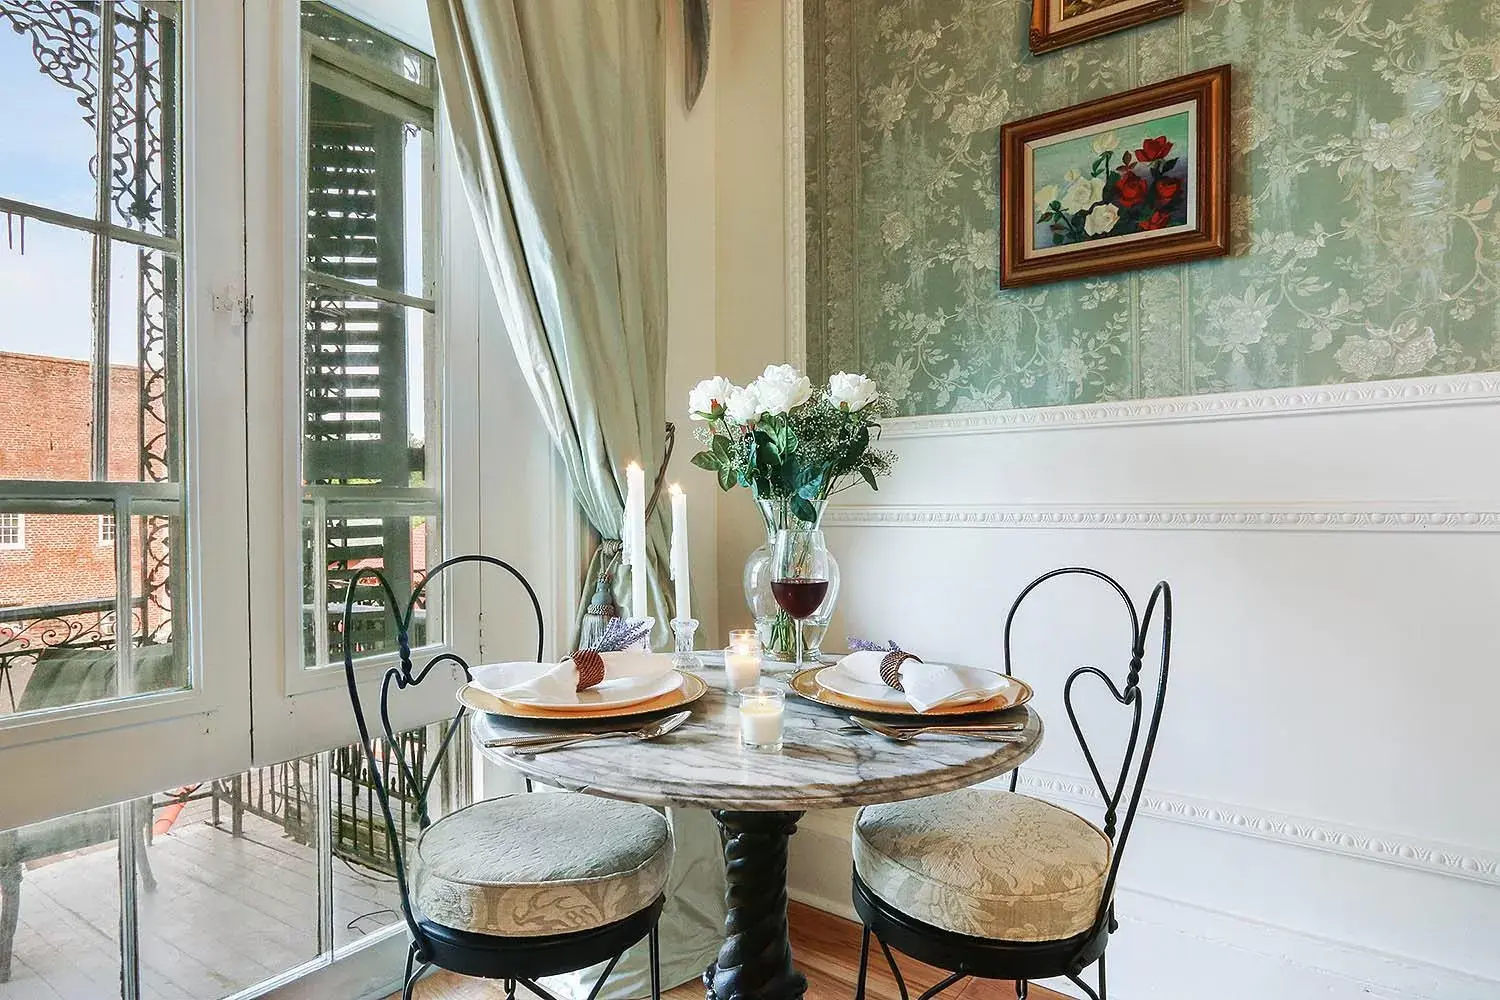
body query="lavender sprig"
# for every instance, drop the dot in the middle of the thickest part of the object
(622, 633)
(858, 645)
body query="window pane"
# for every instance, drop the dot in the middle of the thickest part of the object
(64, 874)
(49, 74)
(323, 22)
(365, 895)
(58, 625)
(143, 374)
(399, 547)
(370, 461)
(235, 866)
(46, 343)
(143, 117)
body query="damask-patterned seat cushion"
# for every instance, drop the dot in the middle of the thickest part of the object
(995, 865)
(532, 865)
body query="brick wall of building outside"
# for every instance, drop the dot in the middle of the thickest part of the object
(46, 433)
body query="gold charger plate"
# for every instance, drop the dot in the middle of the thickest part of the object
(804, 683)
(693, 687)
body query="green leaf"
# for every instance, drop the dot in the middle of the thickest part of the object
(722, 447)
(726, 479)
(706, 460)
(869, 477)
(803, 510)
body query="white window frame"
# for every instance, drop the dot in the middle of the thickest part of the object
(299, 711)
(77, 757)
(19, 527)
(107, 524)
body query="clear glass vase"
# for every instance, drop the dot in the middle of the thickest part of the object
(777, 631)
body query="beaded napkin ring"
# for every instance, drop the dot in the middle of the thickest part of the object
(590, 666)
(890, 664)
(619, 634)
(890, 667)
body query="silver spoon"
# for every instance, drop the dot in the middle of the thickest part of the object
(660, 727)
(998, 733)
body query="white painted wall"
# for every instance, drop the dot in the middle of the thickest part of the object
(1321, 818)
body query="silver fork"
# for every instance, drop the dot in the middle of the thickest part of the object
(999, 732)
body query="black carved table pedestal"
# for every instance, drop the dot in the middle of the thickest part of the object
(756, 957)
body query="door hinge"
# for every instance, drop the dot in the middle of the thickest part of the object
(242, 307)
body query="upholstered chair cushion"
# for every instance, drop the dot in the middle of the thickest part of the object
(532, 865)
(989, 864)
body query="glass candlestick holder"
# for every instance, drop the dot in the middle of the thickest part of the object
(684, 658)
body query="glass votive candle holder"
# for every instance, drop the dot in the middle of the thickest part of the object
(741, 669)
(762, 718)
(744, 640)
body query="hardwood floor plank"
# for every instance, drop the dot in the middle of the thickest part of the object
(827, 950)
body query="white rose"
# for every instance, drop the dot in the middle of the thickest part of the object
(1044, 198)
(1083, 194)
(851, 392)
(743, 405)
(1106, 142)
(1101, 220)
(709, 397)
(781, 388)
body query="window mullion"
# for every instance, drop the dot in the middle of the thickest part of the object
(103, 128)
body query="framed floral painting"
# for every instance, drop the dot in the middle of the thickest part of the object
(1056, 23)
(1133, 180)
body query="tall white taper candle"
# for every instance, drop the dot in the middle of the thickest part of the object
(679, 557)
(635, 537)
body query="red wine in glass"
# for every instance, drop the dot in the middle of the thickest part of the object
(799, 597)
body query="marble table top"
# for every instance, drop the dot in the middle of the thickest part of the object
(702, 763)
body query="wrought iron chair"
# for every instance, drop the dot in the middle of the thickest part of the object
(520, 886)
(998, 885)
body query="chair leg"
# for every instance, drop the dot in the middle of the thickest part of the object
(655, 949)
(895, 969)
(1021, 988)
(864, 964)
(510, 989)
(1103, 986)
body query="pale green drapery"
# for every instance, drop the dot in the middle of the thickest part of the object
(556, 110)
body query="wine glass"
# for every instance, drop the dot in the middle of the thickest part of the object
(799, 575)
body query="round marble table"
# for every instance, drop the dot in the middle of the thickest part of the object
(758, 798)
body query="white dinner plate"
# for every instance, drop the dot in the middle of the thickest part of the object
(495, 677)
(986, 683)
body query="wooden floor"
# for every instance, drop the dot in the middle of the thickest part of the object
(227, 912)
(827, 950)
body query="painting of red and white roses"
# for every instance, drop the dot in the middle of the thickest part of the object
(1131, 180)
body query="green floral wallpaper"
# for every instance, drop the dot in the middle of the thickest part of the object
(1364, 202)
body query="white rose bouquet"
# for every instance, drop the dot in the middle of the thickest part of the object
(789, 441)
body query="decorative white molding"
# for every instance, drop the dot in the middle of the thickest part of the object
(794, 143)
(1434, 390)
(1154, 517)
(1469, 863)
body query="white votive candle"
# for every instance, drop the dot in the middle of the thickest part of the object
(741, 670)
(744, 640)
(762, 714)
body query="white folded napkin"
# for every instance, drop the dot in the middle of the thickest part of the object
(557, 684)
(927, 685)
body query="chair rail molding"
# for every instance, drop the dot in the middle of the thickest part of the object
(1311, 516)
(1434, 390)
(1455, 861)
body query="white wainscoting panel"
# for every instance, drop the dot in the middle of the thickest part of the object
(1321, 817)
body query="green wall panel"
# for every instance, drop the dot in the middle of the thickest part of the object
(1364, 207)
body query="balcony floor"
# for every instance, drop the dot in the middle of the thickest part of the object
(227, 912)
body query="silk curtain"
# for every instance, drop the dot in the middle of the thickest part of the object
(556, 109)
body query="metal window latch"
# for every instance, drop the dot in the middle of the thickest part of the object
(242, 307)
